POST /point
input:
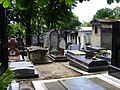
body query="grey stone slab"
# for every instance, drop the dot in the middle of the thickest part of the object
(104, 84)
(57, 57)
(95, 48)
(20, 64)
(55, 86)
(88, 62)
(81, 83)
(74, 47)
(87, 68)
(23, 70)
(76, 52)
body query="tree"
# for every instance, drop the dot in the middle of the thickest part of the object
(116, 12)
(104, 13)
(55, 12)
(72, 23)
(86, 24)
(23, 4)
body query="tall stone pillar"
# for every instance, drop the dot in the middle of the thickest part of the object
(3, 40)
(114, 68)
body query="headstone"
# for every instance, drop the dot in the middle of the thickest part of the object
(54, 51)
(62, 45)
(46, 40)
(54, 41)
(34, 40)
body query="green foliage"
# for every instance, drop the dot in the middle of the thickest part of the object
(107, 13)
(112, 1)
(6, 79)
(6, 3)
(86, 24)
(71, 23)
(104, 13)
(13, 28)
(23, 4)
(102, 53)
(116, 11)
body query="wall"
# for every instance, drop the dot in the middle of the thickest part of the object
(84, 37)
(96, 37)
(106, 37)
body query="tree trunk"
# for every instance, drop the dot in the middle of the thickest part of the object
(28, 37)
(28, 25)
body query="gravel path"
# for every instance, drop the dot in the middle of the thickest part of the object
(56, 70)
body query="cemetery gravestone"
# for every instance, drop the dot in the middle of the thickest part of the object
(46, 40)
(34, 40)
(54, 42)
(62, 45)
(54, 53)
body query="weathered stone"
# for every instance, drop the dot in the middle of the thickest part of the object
(81, 83)
(38, 55)
(88, 65)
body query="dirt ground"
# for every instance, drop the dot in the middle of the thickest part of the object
(56, 70)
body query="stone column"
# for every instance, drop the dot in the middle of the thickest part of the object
(3, 40)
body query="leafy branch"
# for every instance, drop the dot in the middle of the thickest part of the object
(25, 3)
(6, 79)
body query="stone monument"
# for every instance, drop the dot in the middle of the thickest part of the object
(54, 52)
(62, 45)
(46, 40)
(12, 46)
(38, 55)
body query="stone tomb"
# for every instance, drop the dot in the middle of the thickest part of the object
(95, 82)
(54, 53)
(38, 55)
(23, 69)
(87, 64)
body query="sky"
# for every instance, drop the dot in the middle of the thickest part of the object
(87, 9)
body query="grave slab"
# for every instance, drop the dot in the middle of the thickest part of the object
(86, 64)
(81, 83)
(23, 69)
